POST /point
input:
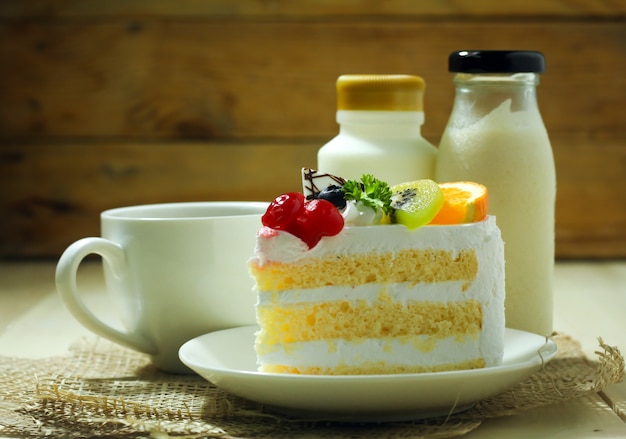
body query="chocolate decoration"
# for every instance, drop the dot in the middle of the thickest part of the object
(313, 182)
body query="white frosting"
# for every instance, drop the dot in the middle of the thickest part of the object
(357, 214)
(451, 291)
(284, 247)
(487, 288)
(276, 245)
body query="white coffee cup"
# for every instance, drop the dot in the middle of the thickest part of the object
(176, 271)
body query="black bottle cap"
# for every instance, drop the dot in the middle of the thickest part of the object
(496, 61)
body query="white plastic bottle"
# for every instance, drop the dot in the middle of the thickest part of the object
(496, 136)
(380, 119)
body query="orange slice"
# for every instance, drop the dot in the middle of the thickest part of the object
(464, 202)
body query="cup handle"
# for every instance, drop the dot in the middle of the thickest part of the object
(67, 267)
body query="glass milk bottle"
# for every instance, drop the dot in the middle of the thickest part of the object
(380, 119)
(496, 136)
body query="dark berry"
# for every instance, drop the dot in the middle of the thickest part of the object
(334, 194)
(283, 211)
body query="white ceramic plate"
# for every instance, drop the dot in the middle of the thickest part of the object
(227, 359)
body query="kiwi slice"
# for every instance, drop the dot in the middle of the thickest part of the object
(415, 203)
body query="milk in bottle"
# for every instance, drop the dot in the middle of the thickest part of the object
(496, 136)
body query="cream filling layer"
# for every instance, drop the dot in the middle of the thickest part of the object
(452, 291)
(420, 350)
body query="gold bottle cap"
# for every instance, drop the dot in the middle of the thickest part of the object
(380, 92)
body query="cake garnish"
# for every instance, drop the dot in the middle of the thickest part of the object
(368, 201)
(362, 202)
(283, 211)
(328, 203)
(335, 195)
(465, 202)
(315, 182)
(415, 203)
(370, 191)
(309, 220)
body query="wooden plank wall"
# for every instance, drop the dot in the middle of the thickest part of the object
(104, 104)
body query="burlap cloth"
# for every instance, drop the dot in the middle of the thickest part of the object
(103, 390)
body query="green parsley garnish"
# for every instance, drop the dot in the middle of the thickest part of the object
(371, 191)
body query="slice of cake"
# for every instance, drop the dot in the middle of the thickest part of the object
(401, 296)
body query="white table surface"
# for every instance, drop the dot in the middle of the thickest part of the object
(590, 301)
